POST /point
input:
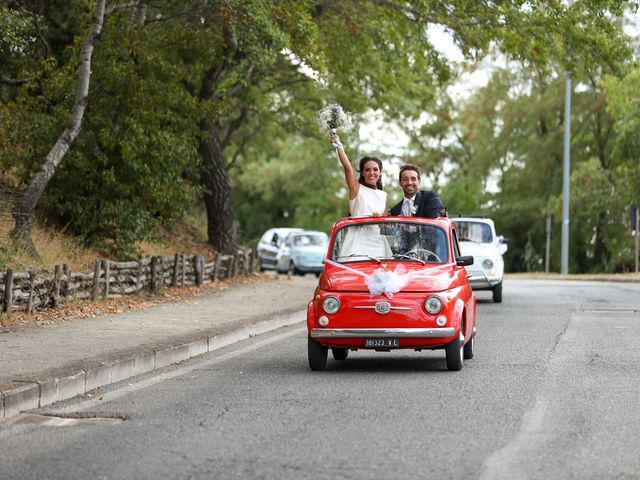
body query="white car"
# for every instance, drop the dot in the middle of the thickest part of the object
(477, 237)
(271, 246)
(303, 252)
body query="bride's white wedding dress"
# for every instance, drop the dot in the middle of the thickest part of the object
(365, 240)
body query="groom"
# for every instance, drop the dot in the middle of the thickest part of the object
(416, 203)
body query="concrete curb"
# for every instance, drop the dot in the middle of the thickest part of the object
(40, 390)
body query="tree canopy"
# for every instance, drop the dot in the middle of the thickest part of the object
(215, 102)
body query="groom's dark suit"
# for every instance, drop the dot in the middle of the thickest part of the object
(428, 205)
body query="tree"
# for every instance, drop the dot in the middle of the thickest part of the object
(23, 212)
(353, 46)
(233, 71)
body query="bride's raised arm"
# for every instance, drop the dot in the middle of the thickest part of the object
(349, 176)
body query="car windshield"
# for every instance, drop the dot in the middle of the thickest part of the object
(309, 240)
(403, 241)
(469, 231)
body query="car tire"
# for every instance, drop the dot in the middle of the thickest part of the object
(497, 292)
(293, 270)
(340, 353)
(317, 355)
(468, 348)
(455, 354)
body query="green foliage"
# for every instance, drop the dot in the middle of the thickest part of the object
(294, 184)
(16, 29)
(128, 170)
(158, 89)
(509, 135)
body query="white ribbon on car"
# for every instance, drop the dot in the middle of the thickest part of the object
(382, 282)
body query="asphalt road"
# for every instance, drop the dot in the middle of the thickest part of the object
(552, 393)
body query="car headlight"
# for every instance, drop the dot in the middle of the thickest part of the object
(433, 305)
(487, 264)
(331, 305)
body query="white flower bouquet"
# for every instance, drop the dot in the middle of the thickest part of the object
(334, 118)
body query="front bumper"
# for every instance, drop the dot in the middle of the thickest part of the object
(478, 280)
(382, 332)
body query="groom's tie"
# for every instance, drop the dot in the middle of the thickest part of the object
(406, 207)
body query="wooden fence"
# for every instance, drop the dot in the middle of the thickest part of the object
(27, 291)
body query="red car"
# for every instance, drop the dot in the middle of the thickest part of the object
(392, 283)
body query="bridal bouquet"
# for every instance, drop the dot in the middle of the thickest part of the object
(333, 117)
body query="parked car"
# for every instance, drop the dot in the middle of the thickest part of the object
(271, 245)
(303, 252)
(414, 295)
(477, 237)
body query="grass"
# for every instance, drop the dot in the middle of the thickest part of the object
(57, 247)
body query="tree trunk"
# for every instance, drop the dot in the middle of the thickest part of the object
(222, 227)
(23, 210)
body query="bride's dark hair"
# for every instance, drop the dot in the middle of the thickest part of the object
(364, 160)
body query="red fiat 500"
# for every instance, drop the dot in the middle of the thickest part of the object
(389, 283)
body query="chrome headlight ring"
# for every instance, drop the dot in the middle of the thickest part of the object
(433, 305)
(331, 304)
(487, 264)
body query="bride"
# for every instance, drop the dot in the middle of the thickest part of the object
(366, 198)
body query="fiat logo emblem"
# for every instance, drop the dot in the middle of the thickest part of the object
(383, 307)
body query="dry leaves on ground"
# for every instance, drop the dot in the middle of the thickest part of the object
(76, 309)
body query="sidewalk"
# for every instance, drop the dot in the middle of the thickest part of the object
(39, 366)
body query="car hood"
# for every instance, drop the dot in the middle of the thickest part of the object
(479, 249)
(352, 276)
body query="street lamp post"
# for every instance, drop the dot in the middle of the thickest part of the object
(565, 177)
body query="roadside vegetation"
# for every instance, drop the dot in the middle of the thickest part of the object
(58, 245)
(195, 123)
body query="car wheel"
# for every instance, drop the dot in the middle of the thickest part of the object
(340, 353)
(455, 354)
(317, 355)
(468, 348)
(293, 270)
(497, 293)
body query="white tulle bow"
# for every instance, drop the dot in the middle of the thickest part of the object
(382, 282)
(387, 282)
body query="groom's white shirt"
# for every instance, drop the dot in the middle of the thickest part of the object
(406, 209)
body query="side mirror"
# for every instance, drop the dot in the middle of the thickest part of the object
(464, 261)
(502, 244)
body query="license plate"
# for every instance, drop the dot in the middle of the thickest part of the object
(381, 342)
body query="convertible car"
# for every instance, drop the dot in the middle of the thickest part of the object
(392, 283)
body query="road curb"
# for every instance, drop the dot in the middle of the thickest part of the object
(23, 394)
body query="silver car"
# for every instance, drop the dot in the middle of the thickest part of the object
(271, 246)
(477, 237)
(304, 252)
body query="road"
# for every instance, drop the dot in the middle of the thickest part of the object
(552, 393)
